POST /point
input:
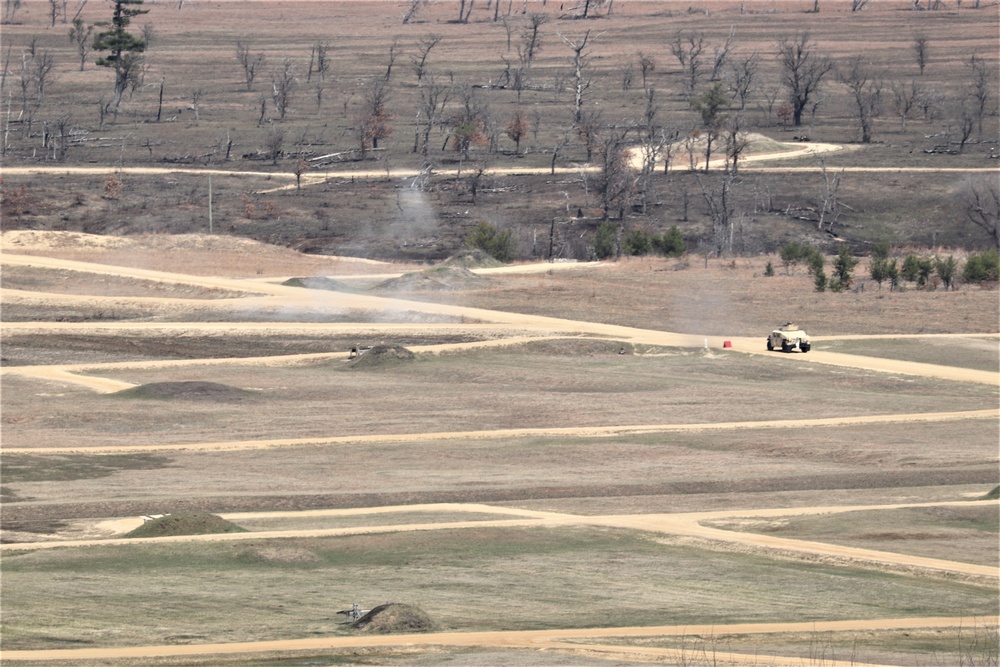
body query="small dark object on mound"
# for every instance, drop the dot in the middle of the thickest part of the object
(394, 618)
(992, 495)
(319, 283)
(190, 390)
(380, 355)
(186, 523)
(474, 258)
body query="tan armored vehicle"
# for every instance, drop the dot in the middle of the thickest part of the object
(787, 338)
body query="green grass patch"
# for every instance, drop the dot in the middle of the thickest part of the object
(467, 580)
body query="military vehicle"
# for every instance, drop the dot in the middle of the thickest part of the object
(787, 338)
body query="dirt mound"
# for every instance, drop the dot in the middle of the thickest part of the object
(320, 283)
(381, 355)
(186, 523)
(472, 259)
(438, 279)
(212, 391)
(993, 494)
(394, 618)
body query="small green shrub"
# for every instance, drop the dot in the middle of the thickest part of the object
(606, 240)
(498, 244)
(982, 267)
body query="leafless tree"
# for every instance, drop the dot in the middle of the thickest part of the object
(393, 54)
(720, 55)
(929, 101)
(433, 99)
(412, 10)
(10, 8)
(615, 179)
(721, 209)
(44, 63)
(54, 11)
(196, 96)
(921, 50)
(63, 125)
(250, 63)
(736, 141)
(802, 72)
(319, 61)
(904, 100)
(829, 209)
(741, 77)
(981, 90)
(589, 130)
(80, 38)
(865, 84)
(275, 142)
(580, 82)
(981, 200)
(531, 39)
(647, 65)
(464, 10)
(858, 5)
(687, 48)
(423, 52)
(468, 126)
(375, 121)
(283, 82)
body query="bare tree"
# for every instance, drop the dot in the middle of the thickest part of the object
(647, 65)
(721, 209)
(802, 72)
(80, 38)
(720, 55)
(904, 100)
(10, 8)
(250, 63)
(736, 141)
(423, 52)
(319, 61)
(981, 200)
(858, 5)
(44, 64)
(433, 99)
(393, 54)
(709, 106)
(981, 90)
(615, 180)
(274, 142)
(687, 48)
(921, 50)
(63, 125)
(53, 12)
(865, 85)
(412, 10)
(283, 83)
(374, 122)
(196, 96)
(580, 82)
(741, 77)
(464, 10)
(829, 209)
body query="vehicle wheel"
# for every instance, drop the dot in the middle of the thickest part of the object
(804, 348)
(770, 345)
(785, 347)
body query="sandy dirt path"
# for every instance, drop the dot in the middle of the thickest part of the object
(688, 524)
(529, 639)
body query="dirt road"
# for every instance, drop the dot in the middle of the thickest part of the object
(528, 639)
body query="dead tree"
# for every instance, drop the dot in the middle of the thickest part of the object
(802, 72)
(921, 50)
(419, 61)
(829, 210)
(687, 48)
(981, 90)
(580, 82)
(319, 61)
(865, 85)
(981, 200)
(283, 82)
(251, 64)
(79, 37)
(741, 78)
